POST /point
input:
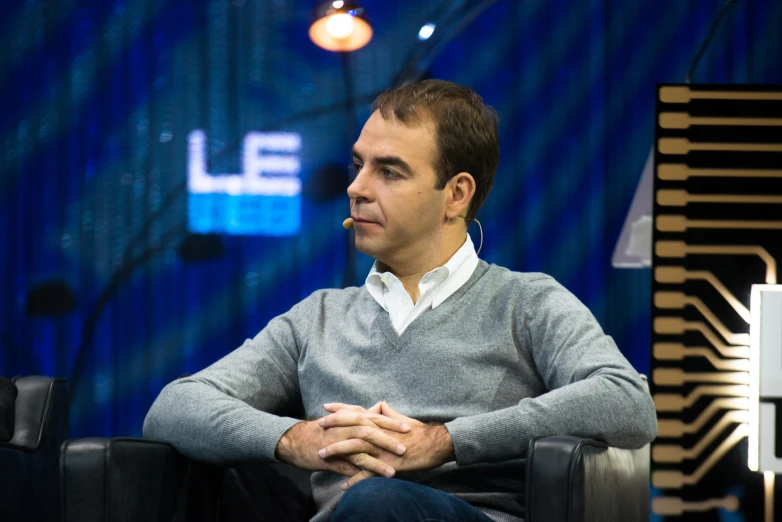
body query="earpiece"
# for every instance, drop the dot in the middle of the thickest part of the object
(480, 245)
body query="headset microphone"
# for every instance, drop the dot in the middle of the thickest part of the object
(348, 223)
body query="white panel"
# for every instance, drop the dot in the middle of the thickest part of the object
(771, 343)
(765, 376)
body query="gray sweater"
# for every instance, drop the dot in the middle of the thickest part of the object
(508, 357)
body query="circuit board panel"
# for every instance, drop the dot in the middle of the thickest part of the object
(717, 231)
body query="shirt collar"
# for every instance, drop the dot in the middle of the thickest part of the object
(378, 283)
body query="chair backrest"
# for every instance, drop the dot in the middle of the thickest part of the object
(29, 481)
(37, 397)
(8, 393)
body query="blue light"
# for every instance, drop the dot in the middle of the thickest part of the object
(244, 215)
(426, 31)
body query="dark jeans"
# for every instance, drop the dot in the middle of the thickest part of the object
(395, 500)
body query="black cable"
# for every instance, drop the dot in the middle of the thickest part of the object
(348, 104)
(127, 267)
(180, 187)
(411, 71)
(418, 51)
(707, 40)
(122, 273)
(459, 20)
(465, 20)
(348, 273)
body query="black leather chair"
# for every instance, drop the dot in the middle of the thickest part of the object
(567, 480)
(29, 462)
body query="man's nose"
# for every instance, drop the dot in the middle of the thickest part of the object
(361, 186)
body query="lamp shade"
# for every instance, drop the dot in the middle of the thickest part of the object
(340, 26)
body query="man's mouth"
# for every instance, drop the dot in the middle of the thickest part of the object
(359, 221)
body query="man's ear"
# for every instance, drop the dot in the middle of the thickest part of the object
(461, 189)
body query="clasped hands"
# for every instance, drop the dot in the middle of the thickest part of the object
(361, 443)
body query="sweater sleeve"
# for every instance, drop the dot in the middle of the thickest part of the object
(224, 413)
(593, 391)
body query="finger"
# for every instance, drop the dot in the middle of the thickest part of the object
(341, 466)
(376, 408)
(345, 448)
(369, 463)
(388, 411)
(336, 406)
(346, 418)
(368, 433)
(378, 438)
(375, 436)
(358, 477)
(387, 423)
(361, 441)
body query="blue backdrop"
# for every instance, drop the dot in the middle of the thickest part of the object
(97, 98)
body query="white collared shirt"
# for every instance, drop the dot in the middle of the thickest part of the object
(435, 287)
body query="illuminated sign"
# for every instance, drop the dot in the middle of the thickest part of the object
(265, 199)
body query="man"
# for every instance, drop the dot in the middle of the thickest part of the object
(438, 370)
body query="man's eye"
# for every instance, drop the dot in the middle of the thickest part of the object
(354, 168)
(388, 174)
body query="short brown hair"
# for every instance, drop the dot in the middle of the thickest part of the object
(467, 138)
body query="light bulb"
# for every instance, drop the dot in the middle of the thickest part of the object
(426, 31)
(340, 26)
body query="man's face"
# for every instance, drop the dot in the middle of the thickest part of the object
(397, 211)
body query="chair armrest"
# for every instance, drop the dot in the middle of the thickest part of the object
(132, 479)
(570, 479)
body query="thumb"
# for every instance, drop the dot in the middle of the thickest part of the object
(388, 411)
